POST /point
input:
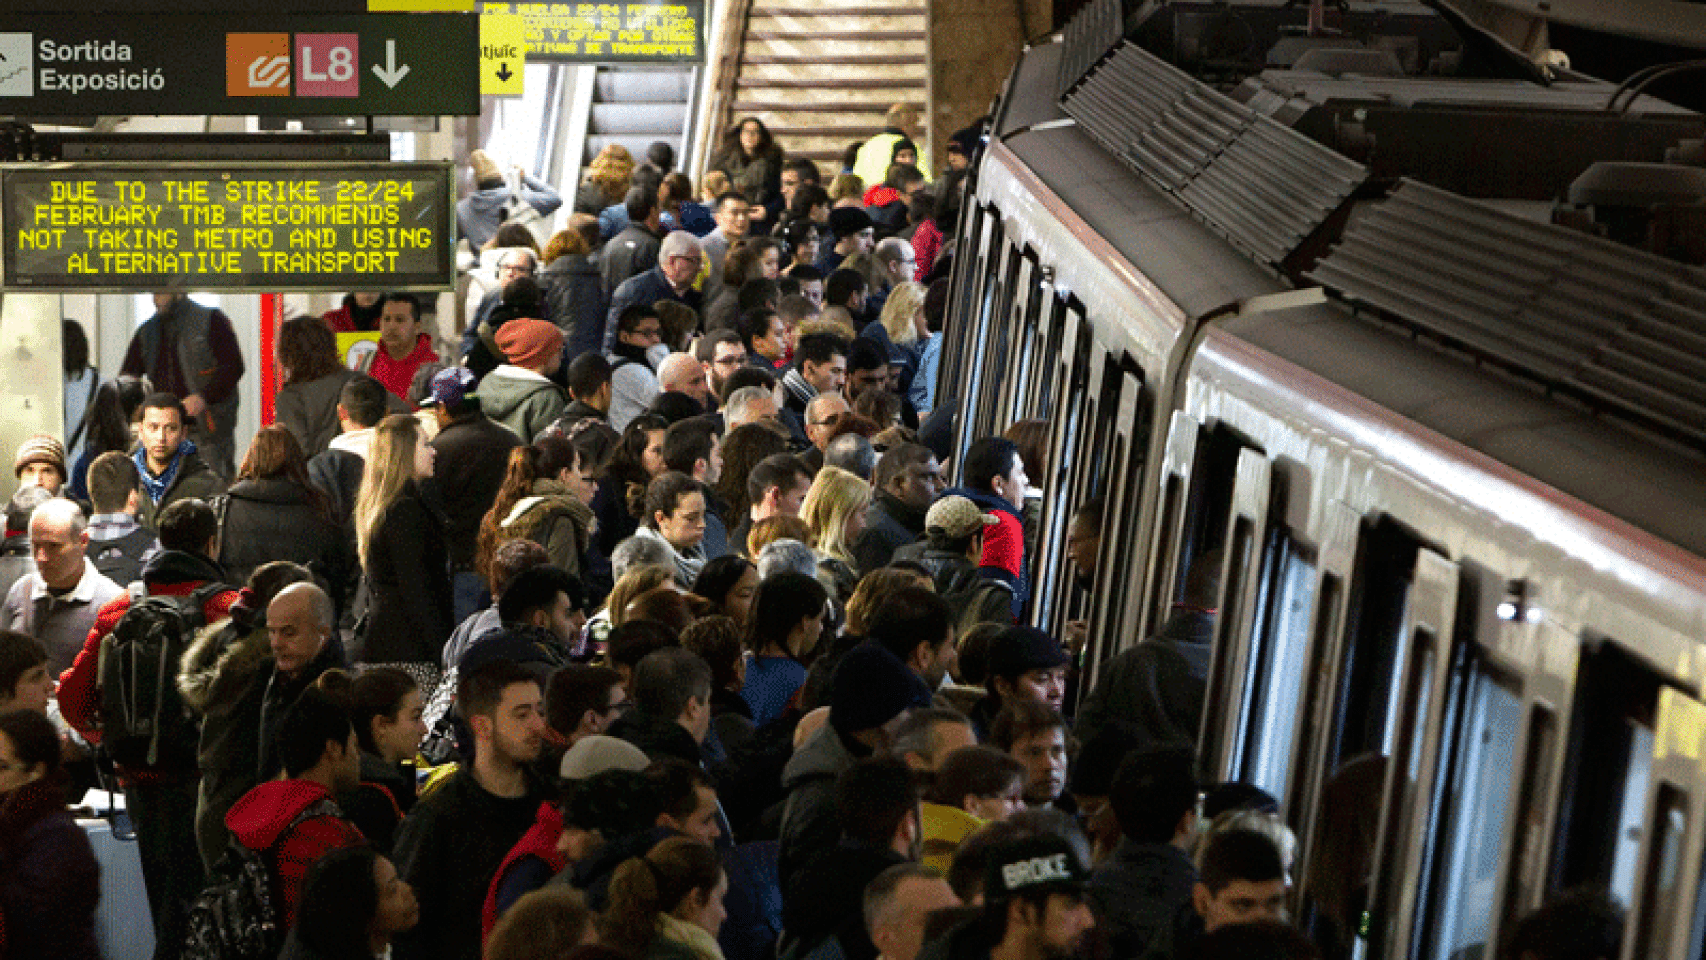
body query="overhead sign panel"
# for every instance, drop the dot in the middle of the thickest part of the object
(266, 227)
(419, 64)
(643, 31)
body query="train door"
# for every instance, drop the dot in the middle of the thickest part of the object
(1411, 743)
(976, 290)
(1667, 917)
(1240, 578)
(1068, 362)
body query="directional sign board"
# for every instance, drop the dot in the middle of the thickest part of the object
(637, 31)
(503, 55)
(405, 64)
(233, 226)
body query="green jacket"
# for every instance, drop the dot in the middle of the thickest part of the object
(521, 400)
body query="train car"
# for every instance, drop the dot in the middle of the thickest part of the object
(1447, 456)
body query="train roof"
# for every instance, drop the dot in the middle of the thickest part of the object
(1651, 481)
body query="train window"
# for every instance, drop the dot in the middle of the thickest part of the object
(1277, 663)
(1609, 761)
(1208, 505)
(1364, 715)
(1664, 871)
(1530, 841)
(1477, 801)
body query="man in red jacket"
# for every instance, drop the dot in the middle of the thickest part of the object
(160, 798)
(293, 822)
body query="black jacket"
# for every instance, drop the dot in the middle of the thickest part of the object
(377, 806)
(889, 525)
(448, 849)
(1143, 894)
(473, 453)
(973, 597)
(275, 518)
(575, 298)
(828, 898)
(633, 251)
(1154, 690)
(408, 588)
(658, 738)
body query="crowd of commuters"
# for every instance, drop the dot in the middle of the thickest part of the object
(647, 627)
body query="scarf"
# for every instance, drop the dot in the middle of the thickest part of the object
(628, 351)
(690, 935)
(157, 486)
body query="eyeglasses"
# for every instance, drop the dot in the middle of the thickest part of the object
(649, 331)
(688, 258)
(525, 270)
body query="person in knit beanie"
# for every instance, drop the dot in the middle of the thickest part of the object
(521, 394)
(41, 463)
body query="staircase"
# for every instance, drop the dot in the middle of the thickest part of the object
(636, 106)
(822, 73)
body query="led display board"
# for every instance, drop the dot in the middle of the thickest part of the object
(230, 226)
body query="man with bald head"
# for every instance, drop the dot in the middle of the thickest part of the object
(57, 603)
(300, 621)
(683, 373)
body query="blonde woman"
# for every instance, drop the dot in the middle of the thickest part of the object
(834, 510)
(900, 331)
(401, 538)
(607, 180)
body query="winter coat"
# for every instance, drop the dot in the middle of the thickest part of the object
(1142, 893)
(536, 849)
(310, 410)
(631, 252)
(760, 177)
(408, 586)
(260, 819)
(522, 400)
(276, 518)
(1154, 690)
(217, 681)
(481, 213)
(378, 805)
(809, 824)
(195, 480)
(555, 520)
(473, 453)
(49, 879)
(1003, 544)
(973, 597)
(577, 300)
(889, 525)
(941, 829)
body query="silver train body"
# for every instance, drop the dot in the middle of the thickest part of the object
(1424, 557)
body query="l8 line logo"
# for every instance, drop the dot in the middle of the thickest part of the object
(257, 64)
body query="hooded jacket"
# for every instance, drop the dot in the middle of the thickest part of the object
(554, 519)
(261, 821)
(481, 213)
(1143, 895)
(521, 399)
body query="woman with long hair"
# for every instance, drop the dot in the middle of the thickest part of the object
(751, 159)
(783, 633)
(353, 903)
(546, 498)
(668, 904)
(674, 512)
(400, 535)
(273, 513)
(744, 448)
(804, 237)
(49, 880)
(834, 510)
(307, 403)
(385, 707)
(902, 325)
(108, 432)
(81, 382)
(638, 458)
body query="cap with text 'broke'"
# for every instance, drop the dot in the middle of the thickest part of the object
(1043, 864)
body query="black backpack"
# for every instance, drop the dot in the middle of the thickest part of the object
(144, 722)
(236, 917)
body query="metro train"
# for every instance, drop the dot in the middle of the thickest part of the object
(1449, 453)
